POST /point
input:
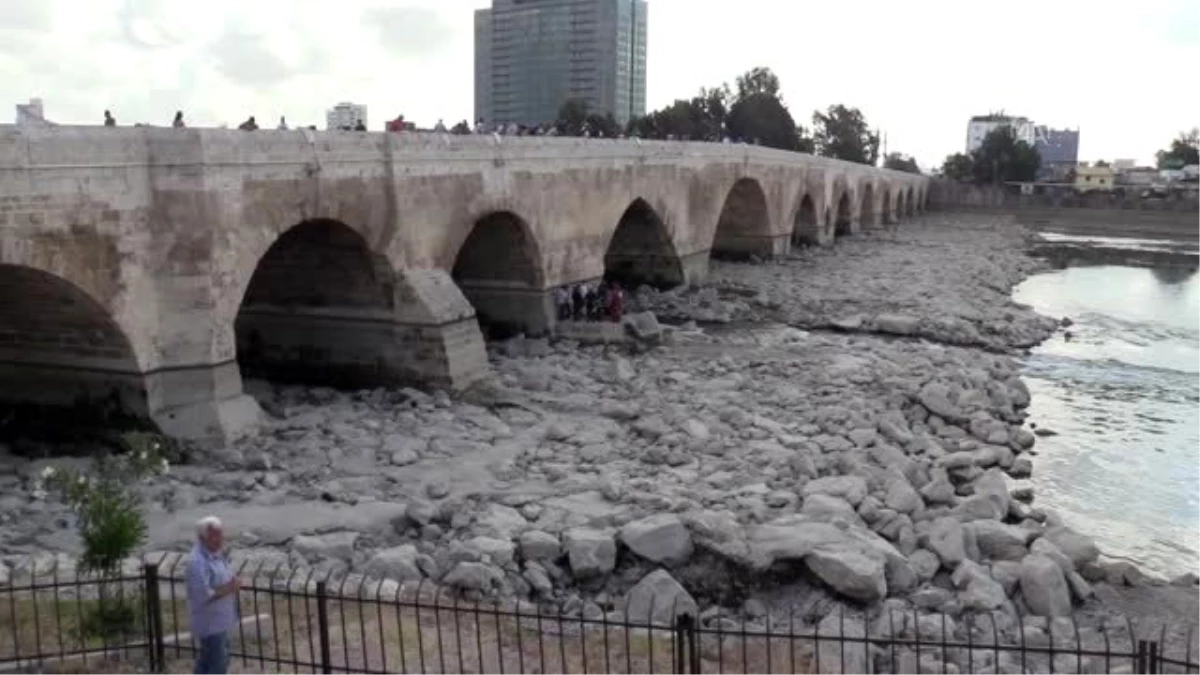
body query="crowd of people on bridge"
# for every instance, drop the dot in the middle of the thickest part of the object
(586, 302)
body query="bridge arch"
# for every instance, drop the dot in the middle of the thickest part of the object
(887, 214)
(317, 309)
(911, 202)
(806, 230)
(498, 268)
(900, 205)
(744, 224)
(640, 250)
(843, 216)
(65, 362)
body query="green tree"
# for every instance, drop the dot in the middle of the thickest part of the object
(898, 162)
(763, 119)
(1184, 150)
(461, 128)
(1101, 163)
(958, 167)
(572, 115)
(842, 132)
(1004, 157)
(603, 126)
(758, 81)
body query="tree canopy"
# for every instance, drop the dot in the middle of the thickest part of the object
(1004, 157)
(1184, 150)
(898, 162)
(574, 117)
(842, 133)
(763, 119)
(958, 167)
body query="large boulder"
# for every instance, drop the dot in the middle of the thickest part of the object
(1079, 548)
(851, 488)
(657, 599)
(939, 489)
(978, 591)
(901, 496)
(993, 485)
(1044, 586)
(398, 562)
(590, 552)
(643, 326)
(850, 570)
(828, 508)
(315, 548)
(897, 324)
(945, 538)
(842, 657)
(935, 396)
(539, 545)
(473, 576)
(661, 538)
(998, 541)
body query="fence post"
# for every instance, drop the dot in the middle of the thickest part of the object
(154, 634)
(323, 626)
(1140, 657)
(686, 652)
(1154, 656)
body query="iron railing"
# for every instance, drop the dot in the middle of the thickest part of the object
(304, 621)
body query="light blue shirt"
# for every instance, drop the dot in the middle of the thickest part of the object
(205, 573)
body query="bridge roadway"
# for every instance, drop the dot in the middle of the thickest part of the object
(149, 269)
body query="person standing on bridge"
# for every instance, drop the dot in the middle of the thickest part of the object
(249, 125)
(109, 120)
(212, 591)
(177, 123)
(282, 124)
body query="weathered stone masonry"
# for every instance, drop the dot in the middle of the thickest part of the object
(155, 265)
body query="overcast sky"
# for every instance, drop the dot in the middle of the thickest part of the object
(1124, 73)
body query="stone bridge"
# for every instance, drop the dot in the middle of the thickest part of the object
(151, 269)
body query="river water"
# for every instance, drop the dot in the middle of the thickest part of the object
(1124, 396)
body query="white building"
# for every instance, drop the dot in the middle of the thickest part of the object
(30, 114)
(982, 125)
(346, 115)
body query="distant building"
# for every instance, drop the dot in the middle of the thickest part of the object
(1057, 146)
(531, 56)
(346, 115)
(31, 114)
(1089, 178)
(1137, 175)
(980, 126)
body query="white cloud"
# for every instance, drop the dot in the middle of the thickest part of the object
(918, 69)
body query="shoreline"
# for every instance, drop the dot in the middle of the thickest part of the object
(887, 441)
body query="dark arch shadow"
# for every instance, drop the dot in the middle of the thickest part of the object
(498, 270)
(805, 229)
(843, 223)
(67, 370)
(744, 226)
(868, 215)
(318, 310)
(641, 252)
(887, 215)
(911, 203)
(900, 206)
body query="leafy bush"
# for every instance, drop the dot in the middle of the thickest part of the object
(109, 517)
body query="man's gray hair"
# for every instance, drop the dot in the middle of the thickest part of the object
(207, 524)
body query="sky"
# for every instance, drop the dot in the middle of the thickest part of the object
(1123, 73)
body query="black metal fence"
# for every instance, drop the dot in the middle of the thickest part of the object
(302, 621)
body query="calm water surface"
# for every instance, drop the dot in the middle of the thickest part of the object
(1124, 396)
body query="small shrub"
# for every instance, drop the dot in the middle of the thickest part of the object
(109, 519)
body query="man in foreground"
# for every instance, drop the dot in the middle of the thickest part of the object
(212, 597)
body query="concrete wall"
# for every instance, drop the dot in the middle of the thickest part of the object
(167, 232)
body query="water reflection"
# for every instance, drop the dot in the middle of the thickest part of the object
(1123, 395)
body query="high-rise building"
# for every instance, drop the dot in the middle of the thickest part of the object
(1057, 146)
(345, 115)
(981, 125)
(531, 56)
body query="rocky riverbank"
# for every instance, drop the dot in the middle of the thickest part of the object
(846, 426)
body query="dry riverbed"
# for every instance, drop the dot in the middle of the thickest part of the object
(842, 428)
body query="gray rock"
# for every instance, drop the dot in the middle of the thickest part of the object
(1077, 547)
(901, 496)
(501, 522)
(643, 326)
(851, 488)
(1044, 587)
(336, 545)
(590, 552)
(938, 490)
(660, 538)
(993, 485)
(538, 579)
(924, 563)
(828, 508)
(657, 599)
(1022, 467)
(945, 538)
(539, 545)
(978, 591)
(936, 399)
(398, 562)
(897, 324)
(843, 657)
(931, 598)
(473, 576)
(500, 551)
(998, 541)
(850, 570)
